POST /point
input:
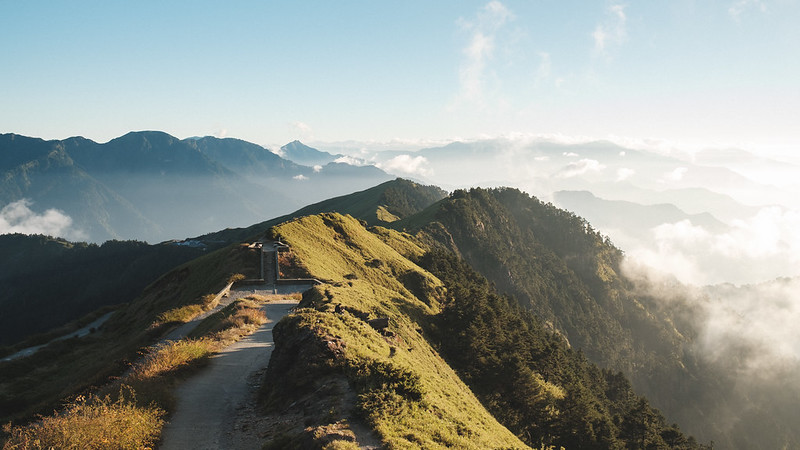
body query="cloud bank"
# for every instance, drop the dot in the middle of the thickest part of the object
(18, 217)
(407, 165)
(581, 167)
(751, 250)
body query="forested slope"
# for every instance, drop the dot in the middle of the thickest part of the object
(558, 267)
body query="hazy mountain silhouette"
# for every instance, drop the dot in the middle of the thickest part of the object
(153, 186)
(302, 154)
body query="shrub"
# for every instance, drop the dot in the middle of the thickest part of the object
(384, 376)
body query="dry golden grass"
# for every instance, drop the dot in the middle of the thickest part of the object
(244, 321)
(92, 423)
(172, 355)
(266, 298)
(179, 315)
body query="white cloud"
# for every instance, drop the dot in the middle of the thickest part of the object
(612, 31)
(17, 217)
(676, 175)
(480, 49)
(750, 331)
(623, 173)
(754, 326)
(581, 167)
(317, 168)
(740, 6)
(407, 165)
(772, 232)
(353, 161)
(762, 247)
(300, 177)
(570, 154)
(221, 134)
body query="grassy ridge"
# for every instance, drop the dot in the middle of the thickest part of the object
(402, 388)
(523, 372)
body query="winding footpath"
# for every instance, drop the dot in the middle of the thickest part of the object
(209, 403)
(86, 330)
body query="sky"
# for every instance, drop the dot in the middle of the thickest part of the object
(709, 73)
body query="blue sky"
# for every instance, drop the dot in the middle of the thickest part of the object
(716, 72)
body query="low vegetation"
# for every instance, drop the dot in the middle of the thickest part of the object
(403, 343)
(172, 355)
(92, 422)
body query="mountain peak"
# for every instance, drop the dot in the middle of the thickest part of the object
(300, 153)
(147, 135)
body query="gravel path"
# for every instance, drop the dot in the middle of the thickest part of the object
(210, 402)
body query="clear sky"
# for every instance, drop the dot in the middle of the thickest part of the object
(707, 72)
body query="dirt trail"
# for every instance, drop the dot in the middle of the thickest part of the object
(86, 330)
(210, 402)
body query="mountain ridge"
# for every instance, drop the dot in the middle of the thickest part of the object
(153, 186)
(552, 263)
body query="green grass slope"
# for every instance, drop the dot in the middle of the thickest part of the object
(407, 381)
(406, 393)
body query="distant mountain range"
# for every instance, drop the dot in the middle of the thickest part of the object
(636, 219)
(151, 186)
(718, 182)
